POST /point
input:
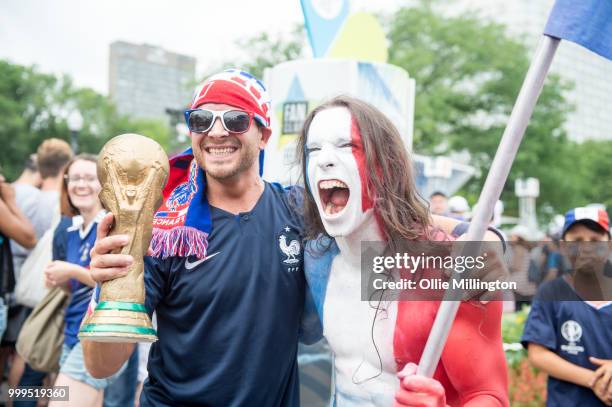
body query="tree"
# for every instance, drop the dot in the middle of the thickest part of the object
(468, 73)
(34, 107)
(264, 50)
(592, 169)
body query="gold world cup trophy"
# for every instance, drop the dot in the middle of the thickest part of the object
(133, 170)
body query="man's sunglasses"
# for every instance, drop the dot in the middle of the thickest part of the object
(202, 120)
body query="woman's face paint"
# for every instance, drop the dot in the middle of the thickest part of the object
(336, 171)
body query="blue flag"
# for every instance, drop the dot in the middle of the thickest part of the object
(585, 22)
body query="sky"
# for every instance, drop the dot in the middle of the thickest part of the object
(73, 37)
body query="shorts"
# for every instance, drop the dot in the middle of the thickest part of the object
(16, 316)
(72, 364)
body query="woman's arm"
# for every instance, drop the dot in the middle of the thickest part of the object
(15, 226)
(473, 357)
(57, 273)
(473, 360)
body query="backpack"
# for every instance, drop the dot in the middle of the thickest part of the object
(30, 289)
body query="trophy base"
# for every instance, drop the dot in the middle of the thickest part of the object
(117, 321)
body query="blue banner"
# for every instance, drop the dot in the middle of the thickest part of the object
(323, 20)
(585, 22)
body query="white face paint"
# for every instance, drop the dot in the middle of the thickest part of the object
(333, 174)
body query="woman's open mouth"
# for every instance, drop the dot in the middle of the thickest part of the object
(334, 195)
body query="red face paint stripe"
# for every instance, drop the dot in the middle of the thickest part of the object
(358, 153)
(366, 200)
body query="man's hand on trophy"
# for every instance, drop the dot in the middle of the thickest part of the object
(105, 265)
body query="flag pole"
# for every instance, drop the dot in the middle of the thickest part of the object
(498, 174)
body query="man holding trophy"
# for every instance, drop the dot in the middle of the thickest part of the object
(225, 279)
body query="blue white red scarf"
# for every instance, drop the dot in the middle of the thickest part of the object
(182, 224)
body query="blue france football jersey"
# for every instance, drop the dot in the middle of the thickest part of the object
(71, 243)
(228, 325)
(573, 330)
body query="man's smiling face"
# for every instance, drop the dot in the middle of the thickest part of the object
(224, 155)
(333, 171)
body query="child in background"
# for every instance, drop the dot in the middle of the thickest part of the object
(568, 333)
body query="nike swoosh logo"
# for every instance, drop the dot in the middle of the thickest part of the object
(191, 265)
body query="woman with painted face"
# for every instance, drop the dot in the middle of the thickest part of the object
(69, 269)
(360, 187)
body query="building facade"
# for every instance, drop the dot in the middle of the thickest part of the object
(590, 73)
(145, 80)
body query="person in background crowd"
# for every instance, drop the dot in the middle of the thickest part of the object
(52, 156)
(123, 391)
(519, 266)
(69, 269)
(458, 208)
(14, 226)
(29, 175)
(143, 357)
(567, 335)
(554, 265)
(438, 203)
(27, 197)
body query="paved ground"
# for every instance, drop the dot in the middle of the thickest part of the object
(315, 375)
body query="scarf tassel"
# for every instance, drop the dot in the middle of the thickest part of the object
(182, 241)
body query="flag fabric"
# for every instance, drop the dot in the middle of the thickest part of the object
(585, 22)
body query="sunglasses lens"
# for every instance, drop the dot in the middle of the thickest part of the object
(236, 121)
(200, 121)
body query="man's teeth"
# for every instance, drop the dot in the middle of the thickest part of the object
(221, 151)
(332, 183)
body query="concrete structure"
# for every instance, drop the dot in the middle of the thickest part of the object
(145, 80)
(590, 73)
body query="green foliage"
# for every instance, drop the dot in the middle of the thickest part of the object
(264, 50)
(591, 169)
(468, 73)
(34, 107)
(512, 330)
(26, 120)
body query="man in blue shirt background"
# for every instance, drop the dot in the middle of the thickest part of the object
(228, 317)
